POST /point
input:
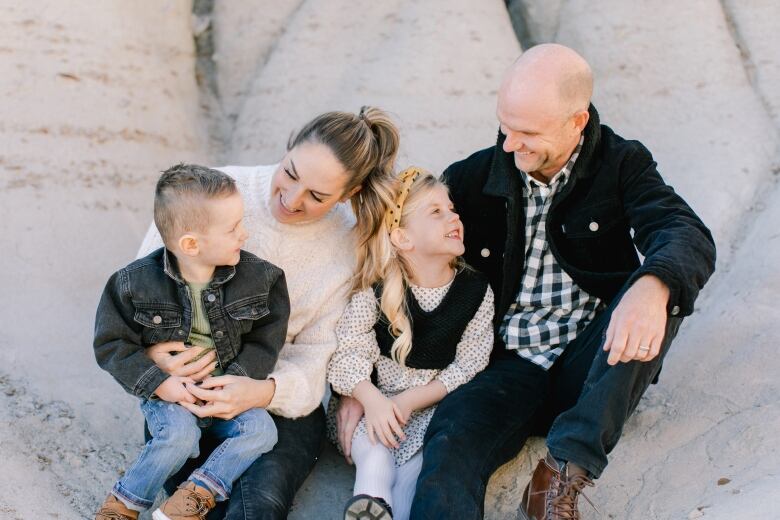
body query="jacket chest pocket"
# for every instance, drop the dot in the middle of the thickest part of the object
(592, 221)
(245, 312)
(160, 323)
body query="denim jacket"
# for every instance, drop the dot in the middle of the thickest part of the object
(148, 302)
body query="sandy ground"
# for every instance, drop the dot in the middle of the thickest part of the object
(97, 98)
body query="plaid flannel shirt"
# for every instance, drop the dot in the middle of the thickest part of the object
(550, 309)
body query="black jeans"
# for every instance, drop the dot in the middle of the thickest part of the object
(581, 403)
(266, 490)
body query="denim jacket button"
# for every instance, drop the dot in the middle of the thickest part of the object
(180, 332)
(211, 298)
(593, 226)
(675, 310)
(157, 320)
(219, 334)
(485, 252)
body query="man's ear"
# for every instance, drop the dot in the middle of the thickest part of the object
(188, 244)
(350, 194)
(581, 119)
(400, 240)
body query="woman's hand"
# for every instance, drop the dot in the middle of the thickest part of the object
(227, 396)
(173, 357)
(348, 415)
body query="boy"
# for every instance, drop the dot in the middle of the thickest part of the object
(202, 289)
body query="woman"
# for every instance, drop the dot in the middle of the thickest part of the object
(296, 218)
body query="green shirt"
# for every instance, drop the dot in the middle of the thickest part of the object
(200, 333)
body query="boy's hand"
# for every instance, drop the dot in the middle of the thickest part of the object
(174, 391)
(404, 406)
(174, 358)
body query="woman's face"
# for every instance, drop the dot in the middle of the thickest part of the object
(307, 184)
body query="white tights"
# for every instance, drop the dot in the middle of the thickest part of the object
(376, 475)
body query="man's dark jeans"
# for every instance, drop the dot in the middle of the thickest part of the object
(266, 490)
(485, 423)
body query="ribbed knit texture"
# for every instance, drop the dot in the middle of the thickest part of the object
(318, 259)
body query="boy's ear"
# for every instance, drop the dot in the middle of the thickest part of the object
(188, 244)
(400, 240)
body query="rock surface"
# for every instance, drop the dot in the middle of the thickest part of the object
(97, 99)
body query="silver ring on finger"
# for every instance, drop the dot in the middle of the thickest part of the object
(643, 348)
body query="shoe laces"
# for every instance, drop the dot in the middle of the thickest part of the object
(561, 498)
(199, 505)
(109, 514)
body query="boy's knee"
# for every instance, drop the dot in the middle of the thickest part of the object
(180, 429)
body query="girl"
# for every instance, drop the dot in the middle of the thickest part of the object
(418, 325)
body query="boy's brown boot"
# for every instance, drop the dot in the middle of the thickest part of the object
(115, 509)
(190, 502)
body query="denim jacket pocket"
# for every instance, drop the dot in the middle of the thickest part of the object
(247, 310)
(159, 321)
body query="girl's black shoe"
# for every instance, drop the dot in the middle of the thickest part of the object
(366, 507)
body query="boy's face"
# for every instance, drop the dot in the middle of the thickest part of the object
(221, 242)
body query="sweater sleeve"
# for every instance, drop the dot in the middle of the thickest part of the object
(357, 349)
(300, 371)
(473, 350)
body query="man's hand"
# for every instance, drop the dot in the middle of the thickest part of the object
(174, 358)
(348, 415)
(638, 323)
(174, 391)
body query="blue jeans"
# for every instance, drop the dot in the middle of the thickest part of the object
(581, 403)
(175, 438)
(267, 488)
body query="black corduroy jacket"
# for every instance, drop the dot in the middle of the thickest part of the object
(614, 190)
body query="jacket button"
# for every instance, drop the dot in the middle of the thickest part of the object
(593, 226)
(211, 298)
(485, 252)
(180, 332)
(219, 334)
(675, 310)
(157, 320)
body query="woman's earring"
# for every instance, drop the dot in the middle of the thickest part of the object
(360, 198)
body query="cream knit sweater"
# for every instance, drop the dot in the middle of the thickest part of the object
(318, 259)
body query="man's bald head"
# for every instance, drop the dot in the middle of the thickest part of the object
(543, 108)
(554, 74)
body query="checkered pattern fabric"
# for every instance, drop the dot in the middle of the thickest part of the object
(550, 309)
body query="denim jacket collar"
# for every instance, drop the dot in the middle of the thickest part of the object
(222, 273)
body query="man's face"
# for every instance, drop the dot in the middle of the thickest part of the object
(221, 242)
(539, 136)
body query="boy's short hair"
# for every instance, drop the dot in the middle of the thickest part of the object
(179, 197)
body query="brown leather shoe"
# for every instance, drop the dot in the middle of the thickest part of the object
(115, 509)
(552, 495)
(190, 502)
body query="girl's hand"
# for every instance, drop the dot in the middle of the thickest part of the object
(227, 396)
(383, 420)
(404, 406)
(173, 357)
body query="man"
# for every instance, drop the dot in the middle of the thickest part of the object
(581, 326)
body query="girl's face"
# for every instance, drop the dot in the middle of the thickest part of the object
(307, 184)
(432, 228)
